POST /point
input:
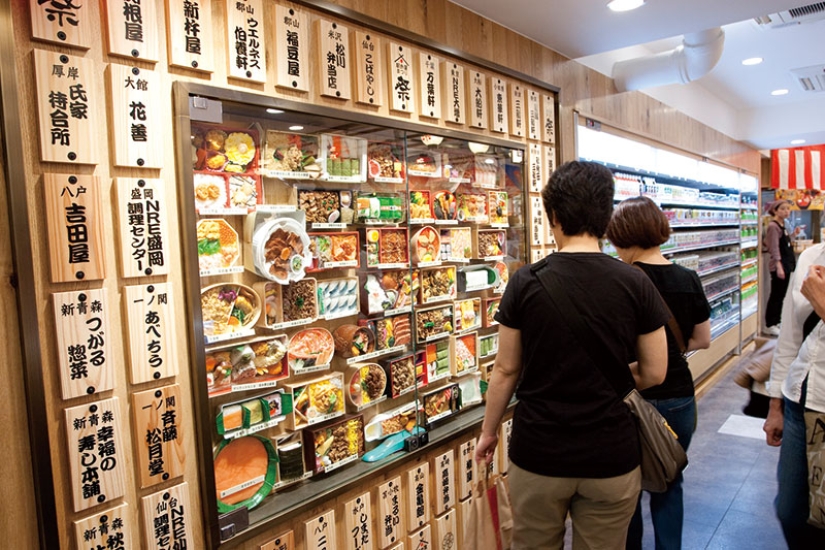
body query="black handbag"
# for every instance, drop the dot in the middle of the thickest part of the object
(662, 457)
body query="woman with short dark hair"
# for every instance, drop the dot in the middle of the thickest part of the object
(781, 264)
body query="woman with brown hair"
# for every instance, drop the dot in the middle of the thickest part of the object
(781, 264)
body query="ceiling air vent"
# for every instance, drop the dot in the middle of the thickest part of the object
(810, 79)
(795, 16)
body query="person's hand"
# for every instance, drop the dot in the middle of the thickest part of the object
(797, 230)
(485, 448)
(780, 271)
(773, 423)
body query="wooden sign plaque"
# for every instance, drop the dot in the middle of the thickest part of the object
(68, 23)
(452, 75)
(246, 40)
(320, 532)
(506, 432)
(369, 69)
(445, 536)
(549, 160)
(142, 220)
(159, 434)
(535, 168)
(548, 118)
(402, 80)
(429, 85)
(517, 122)
(418, 496)
(136, 117)
(444, 468)
(189, 30)
(333, 58)
(499, 114)
(533, 115)
(466, 469)
(284, 541)
(171, 508)
(358, 533)
(421, 539)
(108, 529)
(291, 45)
(151, 331)
(132, 27)
(390, 518)
(477, 99)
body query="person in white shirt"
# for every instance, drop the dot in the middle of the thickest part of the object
(797, 382)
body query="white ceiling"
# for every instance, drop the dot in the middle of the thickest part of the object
(732, 98)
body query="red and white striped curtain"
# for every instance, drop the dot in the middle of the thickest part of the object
(798, 168)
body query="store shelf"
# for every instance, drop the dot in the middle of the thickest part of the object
(750, 243)
(722, 294)
(748, 263)
(750, 279)
(749, 222)
(700, 225)
(718, 329)
(747, 312)
(700, 247)
(717, 269)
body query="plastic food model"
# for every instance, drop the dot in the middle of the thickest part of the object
(335, 249)
(503, 276)
(281, 250)
(433, 322)
(250, 413)
(243, 192)
(210, 191)
(472, 207)
(491, 307)
(468, 314)
(391, 422)
(217, 244)
(456, 244)
(488, 345)
(392, 331)
(245, 472)
(379, 208)
(444, 205)
(424, 165)
(343, 155)
(223, 150)
(299, 300)
(353, 341)
(421, 374)
(438, 360)
(312, 347)
(465, 354)
(218, 371)
(498, 211)
(491, 243)
(336, 443)
(420, 205)
(438, 284)
(367, 384)
(401, 374)
(426, 245)
(321, 206)
(441, 403)
(386, 246)
(248, 363)
(338, 297)
(291, 458)
(318, 401)
(383, 162)
(228, 308)
(292, 153)
(391, 289)
(486, 171)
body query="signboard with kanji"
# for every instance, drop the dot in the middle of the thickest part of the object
(500, 113)
(402, 79)
(390, 518)
(444, 468)
(548, 118)
(320, 532)
(150, 327)
(284, 541)
(66, 107)
(189, 30)
(110, 530)
(132, 27)
(81, 321)
(68, 22)
(75, 226)
(418, 496)
(537, 233)
(477, 98)
(445, 536)
(96, 453)
(136, 117)
(158, 434)
(246, 40)
(358, 533)
(334, 60)
(167, 519)
(452, 76)
(506, 432)
(549, 160)
(369, 69)
(533, 115)
(466, 469)
(517, 122)
(291, 48)
(421, 539)
(429, 85)
(144, 233)
(535, 168)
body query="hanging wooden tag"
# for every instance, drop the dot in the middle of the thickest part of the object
(74, 221)
(506, 433)
(477, 99)
(389, 513)
(537, 221)
(291, 36)
(517, 121)
(170, 509)
(429, 85)
(548, 118)
(132, 27)
(369, 69)
(96, 453)
(444, 532)
(320, 532)
(536, 167)
(144, 233)
(151, 331)
(190, 34)
(333, 58)
(246, 40)
(402, 81)
(81, 321)
(108, 529)
(549, 160)
(444, 468)
(533, 115)
(159, 434)
(136, 115)
(421, 539)
(418, 496)
(499, 114)
(466, 469)
(65, 22)
(358, 534)
(66, 106)
(284, 541)
(452, 75)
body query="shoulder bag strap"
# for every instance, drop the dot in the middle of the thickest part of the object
(671, 323)
(595, 347)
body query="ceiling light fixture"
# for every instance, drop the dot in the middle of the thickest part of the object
(752, 61)
(625, 5)
(781, 91)
(296, 128)
(478, 148)
(272, 111)
(797, 141)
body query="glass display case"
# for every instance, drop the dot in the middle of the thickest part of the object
(345, 275)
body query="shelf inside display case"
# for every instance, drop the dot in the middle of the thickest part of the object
(358, 277)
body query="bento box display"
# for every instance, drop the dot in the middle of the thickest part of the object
(439, 360)
(456, 244)
(390, 332)
(291, 156)
(310, 348)
(425, 245)
(490, 309)
(222, 149)
(490, 244)
(434, 323)
(467, 314)
(384, 164)
(353, 341)
(281, 250)
(420, 206)
(259, 362)
(334, 250)
(438, 284)
(389, 290)
(251, 415)
(503, 276)
(465, 353)
(229, 309)
(445, 206)
(472, 207)
(391, 422)
(316, 401)
(486, 172)
(366, 384)
(371, 208)
(218, 245)
(344, 158)
(291, 465)
(441, 403)
(334, 445)
(211, 192)
(421, 371)
(324, 207)
(400, 374)
(290, 305)
(477, 277)
(387, 246)
(498, 207)
(424, 165)
(245, 469)
(470, 389)
(338, 297)
(487, 345)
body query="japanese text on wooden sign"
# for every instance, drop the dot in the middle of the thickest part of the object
(358, 524)
(144, 236)
(245, 37)
(418, 496)
(167, 519)
(466, 468)
(320, 532)
(110, 529)
(159, 434)
(536, 166)
(402, 81)
(291, 48)
(517, 110)
(136, 114)
(369, 70)
(429, 79)
(548, 118)
(132, 26)
(533, 115)
(151, 331)
(500, 112)
(477, 99)
(453, 77)
(63, 21)
(189, 29)
(389, 510)
(445, 482)
(334, 59)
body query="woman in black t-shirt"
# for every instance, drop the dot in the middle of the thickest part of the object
(637, 229)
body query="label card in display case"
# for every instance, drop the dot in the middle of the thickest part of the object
(75, 225)
(132, 27)
(71, 23)
(66, 106)
(144, 234)
(333, 58)
(429, 85)
(444, 468)
(517, 116)
(535, 167)
(548, 118)
(369, 69)
(418, 496)
(246, 40)
(358, 534)
(536, 221)
(291, 48)
(389, 513)
(170, 509)
(499, 114)
(136, 115)
(320, 532)
(549, 160)
(81, 321)
(506, 433)
(477, 98)
(466, 469)
(97, 455)
(107, 529)
(151, 331)
(421, 539)
(189, 30)
(537, 254)
(452, 77)
(445, 536)
(284, 541)
(402, 81)
(159, 434)
(533, 115)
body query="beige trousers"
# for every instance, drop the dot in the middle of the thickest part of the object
(600, 510)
